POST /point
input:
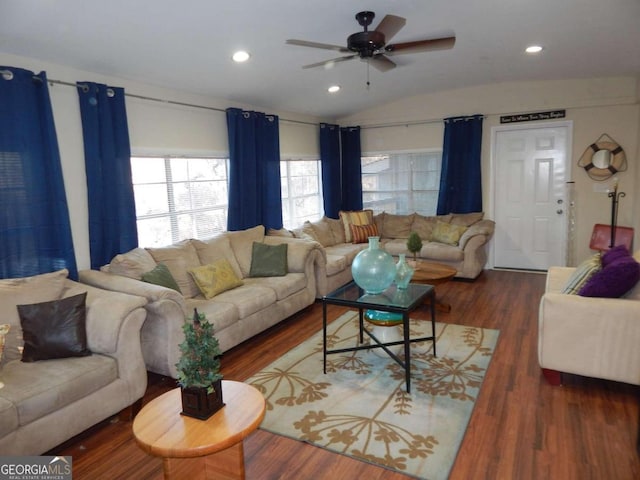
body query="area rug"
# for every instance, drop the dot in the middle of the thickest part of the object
(360, 408)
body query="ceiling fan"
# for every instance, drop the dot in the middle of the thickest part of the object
(372, 45)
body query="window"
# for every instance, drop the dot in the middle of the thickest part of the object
(178, 198)
(402, 183)
(301, 191)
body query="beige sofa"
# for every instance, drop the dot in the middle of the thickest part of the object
(467, 254)
(236, 314)
(46, 402)
(588, 336)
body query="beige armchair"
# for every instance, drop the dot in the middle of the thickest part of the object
(593, 337)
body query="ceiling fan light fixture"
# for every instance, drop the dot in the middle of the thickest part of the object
(240, 56)
(333, 89)
(533, 49)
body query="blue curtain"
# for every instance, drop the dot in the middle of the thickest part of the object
(35, 232)
(351, 168)
(255, 196)
(330, 162)
(107, 158)
(460, 178)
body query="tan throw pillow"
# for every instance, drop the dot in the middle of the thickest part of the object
(361, 233)
(179, 258)
(19, 291)
(215, 278)
(582, 274)
(4, 330)
(423, 226)
(321, 231)
(447, 233)
(397, 226)
(132, 264)
(355, 217)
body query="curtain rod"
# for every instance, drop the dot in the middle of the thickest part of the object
(173, 102)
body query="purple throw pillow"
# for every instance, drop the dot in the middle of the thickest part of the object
(615, 253)
(614, 280)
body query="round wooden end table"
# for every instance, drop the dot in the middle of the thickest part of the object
(432, 273)
(200, 449)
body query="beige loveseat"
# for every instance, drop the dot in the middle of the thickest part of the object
(46, 402)
(467, 254)
(237, 314)
(588, 336)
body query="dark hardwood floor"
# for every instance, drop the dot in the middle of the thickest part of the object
(521, 427)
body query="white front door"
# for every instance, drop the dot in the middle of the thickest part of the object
(531, 169)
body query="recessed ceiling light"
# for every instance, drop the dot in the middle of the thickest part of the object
(240, 56)
(533, 49)
(333, 88)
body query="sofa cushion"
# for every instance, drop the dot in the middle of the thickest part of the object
(220, 314)
(284, 286)
(8, 417)
(215, 248)
(15, 291)
(215, 278)
(423, 226)
(336, 264)
(613, 254)
(55, 329)
(280, 232)
(269, 260)
(242, 245)
(160, 275)
(436, 252)
(356, 217)
(179, 258)
(614, 280)
(361, 233)
(466, 219)
(337, 229)
(582, 274)
(447, 233)
(39, 388)
(346, 250)
(397, 226)
(248, 299)
(132, 264)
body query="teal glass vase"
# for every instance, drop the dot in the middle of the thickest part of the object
(404, 272)
(373, 269)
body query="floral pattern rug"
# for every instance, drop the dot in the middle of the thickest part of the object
(361, 408)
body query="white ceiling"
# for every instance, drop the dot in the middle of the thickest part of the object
(187, 45)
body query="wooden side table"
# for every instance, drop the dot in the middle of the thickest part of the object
(432, 273)
(200, 449)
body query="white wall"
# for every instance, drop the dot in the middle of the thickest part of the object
(595, 106)
(154, 128)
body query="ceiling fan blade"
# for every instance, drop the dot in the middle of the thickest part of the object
(390, 25)
(444, 43)
(382, 63)
(325, 46)
(328, 63)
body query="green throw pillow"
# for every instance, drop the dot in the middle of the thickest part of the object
(269, 260)
(161, 275)
(215, 278)
(447, 233)
(582, 274)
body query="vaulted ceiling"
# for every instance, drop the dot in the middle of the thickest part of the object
(187, 45)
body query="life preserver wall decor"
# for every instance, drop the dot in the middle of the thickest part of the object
(603, 158)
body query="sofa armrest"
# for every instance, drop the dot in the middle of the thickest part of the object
(298, 251)
(482, 227)
(113, 323)
(119, 283)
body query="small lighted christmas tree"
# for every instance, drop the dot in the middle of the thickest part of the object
(414, 244)
(199, 365)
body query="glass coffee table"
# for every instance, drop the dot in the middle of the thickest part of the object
(393, 301)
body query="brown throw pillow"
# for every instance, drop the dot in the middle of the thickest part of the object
(361, 233)
(55, 329)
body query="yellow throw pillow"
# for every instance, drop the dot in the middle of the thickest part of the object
(447, 233)
(215, 278)
(356, 217)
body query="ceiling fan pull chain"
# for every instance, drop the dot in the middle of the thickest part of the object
(368, 83)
